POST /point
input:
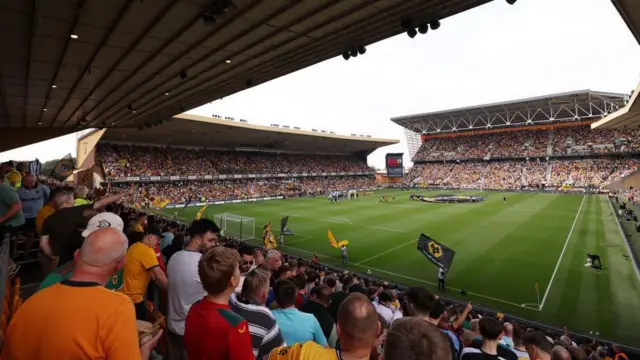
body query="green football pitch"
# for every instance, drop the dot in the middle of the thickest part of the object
(502, 251)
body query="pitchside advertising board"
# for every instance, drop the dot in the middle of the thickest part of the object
(394, 165)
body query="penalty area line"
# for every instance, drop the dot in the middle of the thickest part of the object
(555, 270)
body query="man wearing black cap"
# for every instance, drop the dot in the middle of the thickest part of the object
(140, 267)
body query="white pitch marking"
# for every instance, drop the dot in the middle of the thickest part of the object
(386, 252)
(531, 306)
(412, 278)
(544, 298)
(342, 220)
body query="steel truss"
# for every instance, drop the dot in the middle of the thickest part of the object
(567, 107)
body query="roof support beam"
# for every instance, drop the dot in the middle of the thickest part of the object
(32, 25)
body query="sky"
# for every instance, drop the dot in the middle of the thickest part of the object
(496, 52)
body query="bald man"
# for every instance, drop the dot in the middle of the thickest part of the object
(560, 353)
(79, 318)
(358, 330)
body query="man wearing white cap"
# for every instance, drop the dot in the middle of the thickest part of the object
(63, 272)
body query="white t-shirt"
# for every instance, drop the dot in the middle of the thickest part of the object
(185, 287)
(385, 312)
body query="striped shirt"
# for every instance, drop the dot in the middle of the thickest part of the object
(265, 333)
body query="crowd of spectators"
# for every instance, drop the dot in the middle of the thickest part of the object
(184, 191)
(583, 140)
(593, 173)
(128, 160)
(106, 263)
(573, 140)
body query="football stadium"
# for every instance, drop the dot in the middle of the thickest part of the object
(513, 235)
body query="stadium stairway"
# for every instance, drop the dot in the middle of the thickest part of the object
(625, 182)
(550, 143)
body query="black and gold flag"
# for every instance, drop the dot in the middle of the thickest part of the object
(435, 252)
(63, 169)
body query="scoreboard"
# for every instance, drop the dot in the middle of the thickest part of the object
(394, 165)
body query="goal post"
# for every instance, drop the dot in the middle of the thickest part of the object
(240, 227)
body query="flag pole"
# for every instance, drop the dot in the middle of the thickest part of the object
(538, 293)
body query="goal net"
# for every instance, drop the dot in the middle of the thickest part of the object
(240, 227)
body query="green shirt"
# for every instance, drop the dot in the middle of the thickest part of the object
(64, 272)
(9, 197)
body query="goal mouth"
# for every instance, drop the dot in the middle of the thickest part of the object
(238, 226)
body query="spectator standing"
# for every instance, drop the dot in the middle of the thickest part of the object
(359, 329)
(412, 338)
(47, 209)
(246, 263)
(538, 346)
(80, 194)
(618, 353)
(518, 343)
(250, 304)
(10, 176)
(317, 306)
(141, 222)
(491, 331)
(98, 324)
(507, 336)
(168, 234)
(64, 271)
(140, 267)
(60, 231)
(385, 308)
(33, 197)
(296, 326)
(212, 331)
(185, 287)
(437, 317)
(338, 297)
(273, 261)
(560, 353)
(176, 245)
(11, 216)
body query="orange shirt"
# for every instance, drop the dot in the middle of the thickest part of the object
(43, 213)
(73, 320)
(139, 261)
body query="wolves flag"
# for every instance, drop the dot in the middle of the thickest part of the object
(268, 239)
(435, 252)
(283, 227)
(332, 240)
(201, 212)
(63, 169)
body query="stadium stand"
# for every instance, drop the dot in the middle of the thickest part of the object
(144, 179)
(523, 145)
(32, 330)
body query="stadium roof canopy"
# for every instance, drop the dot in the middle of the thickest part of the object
(215, 133)
(563, 107)
(71, 65)
(627, 117)
(629, 10)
